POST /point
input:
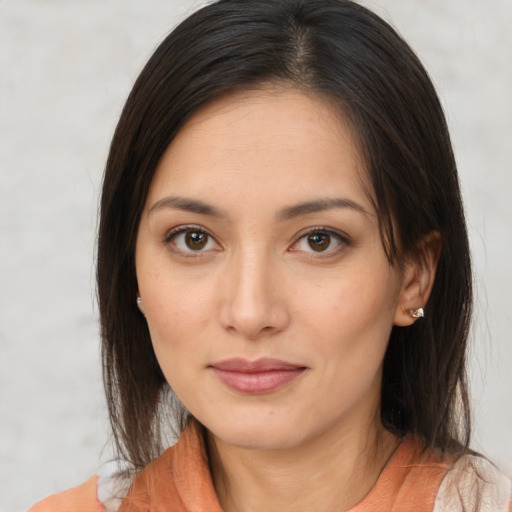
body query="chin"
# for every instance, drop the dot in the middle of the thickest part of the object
(255, 433)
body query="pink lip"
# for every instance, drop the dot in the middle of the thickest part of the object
(253, 377)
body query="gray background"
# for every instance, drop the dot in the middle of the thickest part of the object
(66, 67)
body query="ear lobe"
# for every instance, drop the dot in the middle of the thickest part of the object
(418, 278)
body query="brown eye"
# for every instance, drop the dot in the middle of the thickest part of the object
(319, 241)
(191, 241)
(196, 240)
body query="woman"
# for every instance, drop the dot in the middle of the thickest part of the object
(282, 244)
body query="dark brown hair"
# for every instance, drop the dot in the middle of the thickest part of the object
(339, 50)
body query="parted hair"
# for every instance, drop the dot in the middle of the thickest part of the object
(345, 53)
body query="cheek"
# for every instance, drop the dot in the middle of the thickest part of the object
(350, 302)
(353, 315)
(179, 312)
(352, 325)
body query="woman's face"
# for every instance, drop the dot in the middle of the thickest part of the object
(264, 283)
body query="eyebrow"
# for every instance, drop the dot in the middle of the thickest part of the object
(287, 213)
(188, 205)
(319, 205)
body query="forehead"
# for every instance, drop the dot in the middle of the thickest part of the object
(269, 141)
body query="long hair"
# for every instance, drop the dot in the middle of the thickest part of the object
(338, 50)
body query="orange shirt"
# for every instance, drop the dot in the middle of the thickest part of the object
(180, 481)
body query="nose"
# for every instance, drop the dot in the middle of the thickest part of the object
(254, 301)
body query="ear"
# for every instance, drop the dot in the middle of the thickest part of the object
(419, 272)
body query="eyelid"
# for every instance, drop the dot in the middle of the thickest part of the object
(183, 228)
(342, 237)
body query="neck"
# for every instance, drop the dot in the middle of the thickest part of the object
(331, 473)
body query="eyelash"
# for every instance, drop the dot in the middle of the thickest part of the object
(343, 241)
(181, 230)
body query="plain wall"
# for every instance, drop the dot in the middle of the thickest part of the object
(66, 68)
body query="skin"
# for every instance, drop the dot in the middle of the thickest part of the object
(234, 176)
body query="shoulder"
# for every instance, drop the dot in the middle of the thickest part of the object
(82, 498)
(180, 473)
(101, 493)
(474, 484)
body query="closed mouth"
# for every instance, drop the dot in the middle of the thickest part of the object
(255, 377)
